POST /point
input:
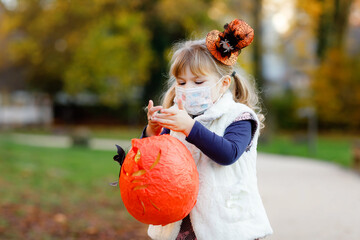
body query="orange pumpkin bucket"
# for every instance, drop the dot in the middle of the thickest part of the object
(159, 182)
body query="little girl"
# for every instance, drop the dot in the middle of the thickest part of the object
(215, 112)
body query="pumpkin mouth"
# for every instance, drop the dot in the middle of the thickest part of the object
(140, 187)
(143, 205)
(142, 172)
(138, 173)
(154, 205)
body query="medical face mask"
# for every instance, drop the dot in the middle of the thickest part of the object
(195, 100)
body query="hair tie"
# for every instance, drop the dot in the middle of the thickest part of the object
(225, 46)
(233, 74)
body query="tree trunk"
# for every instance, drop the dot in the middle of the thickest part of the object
(332, 25)
(257, 54)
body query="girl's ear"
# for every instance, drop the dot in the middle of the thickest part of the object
(226, 82)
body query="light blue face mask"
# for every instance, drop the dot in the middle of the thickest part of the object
(195, 100)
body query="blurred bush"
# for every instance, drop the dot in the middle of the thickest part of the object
(336, 91)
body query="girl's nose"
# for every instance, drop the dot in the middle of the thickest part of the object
(189, 85)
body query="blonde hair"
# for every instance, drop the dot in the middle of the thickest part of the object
(194, 54)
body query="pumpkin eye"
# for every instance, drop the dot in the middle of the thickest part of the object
(156, 160)
(136, 159)
(137, 156)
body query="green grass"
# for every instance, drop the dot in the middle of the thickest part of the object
(51, 193)
(335, 149)
(121, 132)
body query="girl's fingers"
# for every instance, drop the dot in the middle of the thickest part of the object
(164, 116)
(155, 109)
(151, 109)
(169, 111)
(166, 125)
(163, 120)
(150, 105)
(180, 104)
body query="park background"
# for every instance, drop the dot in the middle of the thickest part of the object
(75, 77)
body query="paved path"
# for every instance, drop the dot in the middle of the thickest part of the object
(305, 199)
(65, 141)
(309, 200)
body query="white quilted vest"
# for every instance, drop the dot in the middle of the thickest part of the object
(228, 205)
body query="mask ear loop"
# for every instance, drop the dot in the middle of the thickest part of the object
(233, 76)
(223, 92)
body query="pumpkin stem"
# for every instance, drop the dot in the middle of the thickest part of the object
(119, 158)
(121, 155)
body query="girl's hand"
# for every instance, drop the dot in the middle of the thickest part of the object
(177, 120)
(153, 128)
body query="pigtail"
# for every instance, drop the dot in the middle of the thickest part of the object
(240, 92)
(245, 92)
(168, 97)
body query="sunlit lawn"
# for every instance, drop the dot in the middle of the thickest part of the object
(332, 148)
(49, 193)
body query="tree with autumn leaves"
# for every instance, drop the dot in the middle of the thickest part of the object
(110, 48)
(335, 82)
(118, 50)
(99, 47)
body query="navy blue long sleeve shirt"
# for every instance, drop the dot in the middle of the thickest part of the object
(223, 150)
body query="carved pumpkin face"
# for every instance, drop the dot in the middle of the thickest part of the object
(159, 182)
